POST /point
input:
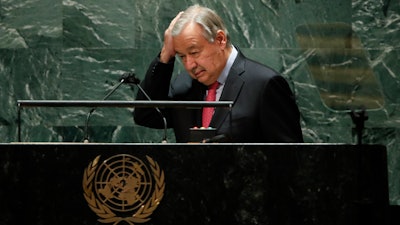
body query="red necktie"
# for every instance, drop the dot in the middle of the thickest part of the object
(209, 111)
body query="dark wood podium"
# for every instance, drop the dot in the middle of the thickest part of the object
(66, 183)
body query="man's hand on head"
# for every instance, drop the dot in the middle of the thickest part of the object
(168, 51)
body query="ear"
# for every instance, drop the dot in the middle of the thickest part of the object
(221, 38)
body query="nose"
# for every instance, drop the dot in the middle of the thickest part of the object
(190, 62)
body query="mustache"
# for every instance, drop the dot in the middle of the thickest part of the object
(197, 70)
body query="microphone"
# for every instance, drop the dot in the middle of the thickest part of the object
(125, 78)
(131, 79)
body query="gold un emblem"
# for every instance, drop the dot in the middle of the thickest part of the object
(123, 188)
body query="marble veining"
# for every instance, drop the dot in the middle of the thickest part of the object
(66, 50)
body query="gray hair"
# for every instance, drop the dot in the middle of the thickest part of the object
(206, 18)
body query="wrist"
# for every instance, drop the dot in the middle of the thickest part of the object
(166, 56)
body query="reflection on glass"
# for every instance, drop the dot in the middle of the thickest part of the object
(340, 67)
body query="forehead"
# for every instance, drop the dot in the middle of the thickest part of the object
(190, 37)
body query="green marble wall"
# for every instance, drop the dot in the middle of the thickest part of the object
(77, 50)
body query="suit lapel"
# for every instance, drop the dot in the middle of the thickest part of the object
(231, 91)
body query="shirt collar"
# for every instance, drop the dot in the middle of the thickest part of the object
(224, 75)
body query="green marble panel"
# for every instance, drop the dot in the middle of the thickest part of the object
(66, 50)
(27, 74)
(377, 22)
(252, 24)
(31, 24)
(98, 24)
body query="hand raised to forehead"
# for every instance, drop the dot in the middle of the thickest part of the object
(168, 50)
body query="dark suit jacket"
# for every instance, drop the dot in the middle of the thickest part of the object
(264, 107)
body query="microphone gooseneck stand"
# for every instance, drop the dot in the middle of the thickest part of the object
(128, 78)
(158, 111)
(86, 136)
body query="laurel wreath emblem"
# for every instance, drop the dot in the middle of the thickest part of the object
(109, 216)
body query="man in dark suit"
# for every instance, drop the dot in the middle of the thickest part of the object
(264, 108)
